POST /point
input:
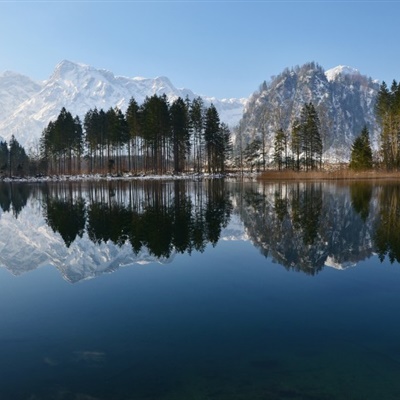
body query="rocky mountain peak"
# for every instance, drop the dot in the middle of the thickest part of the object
(333, 73)
(344, 100)
(26, 109)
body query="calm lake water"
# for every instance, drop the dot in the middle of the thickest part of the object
(199, 290)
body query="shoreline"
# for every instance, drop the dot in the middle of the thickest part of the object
(127, 177)
(273, 176)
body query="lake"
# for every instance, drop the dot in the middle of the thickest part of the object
(199, 290)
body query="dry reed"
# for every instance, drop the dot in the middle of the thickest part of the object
(340, 174)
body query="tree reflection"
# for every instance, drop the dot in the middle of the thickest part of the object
(64, 211)
(162, 217)
(306, 211)
(387, 233)
(305, 226)
(14, 196)
(302, 226)
(361, 194)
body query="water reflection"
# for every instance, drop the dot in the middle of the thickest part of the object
(301, 226)
(361, 194)
(161, 217)
(306, 226)
(387, 232)
(14, 197)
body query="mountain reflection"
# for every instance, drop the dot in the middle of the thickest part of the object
(301, 226)
(305, 226)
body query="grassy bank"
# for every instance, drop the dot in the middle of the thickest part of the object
(342, 174)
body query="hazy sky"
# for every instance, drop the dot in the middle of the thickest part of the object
(216, 48)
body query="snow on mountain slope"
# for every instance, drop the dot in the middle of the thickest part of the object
(14, 90)
(340, 70)
(78, 88)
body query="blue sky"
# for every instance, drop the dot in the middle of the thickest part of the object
(216, 48)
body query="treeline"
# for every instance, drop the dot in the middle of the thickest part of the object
(154, 137)
(299, 148)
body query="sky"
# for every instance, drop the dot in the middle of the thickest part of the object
(215, 48)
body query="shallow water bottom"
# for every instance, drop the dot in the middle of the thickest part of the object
(315, 369)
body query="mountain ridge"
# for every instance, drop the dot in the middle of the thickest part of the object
(79, 87)
(344, 97)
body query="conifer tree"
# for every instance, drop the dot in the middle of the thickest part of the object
(132, 120)
(296, 145)
(155, 129)
(224, 146)
(361, 152)
(311, 143)
(387, 110)
(4, 158)
(197, 123)
(252, 154)
(180, 133)
(211, 131)
(18, 160)
(279, 146)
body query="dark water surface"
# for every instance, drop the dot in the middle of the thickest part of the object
(191, 290)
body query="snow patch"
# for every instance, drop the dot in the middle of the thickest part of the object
(333, 73)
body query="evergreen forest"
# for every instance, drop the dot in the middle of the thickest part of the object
(153, 138)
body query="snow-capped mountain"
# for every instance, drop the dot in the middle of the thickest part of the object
(334, 73)
(343, 97)
(14, 90)
(27, 107)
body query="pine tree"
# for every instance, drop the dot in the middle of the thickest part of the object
(252, 154)
(387, 110)
(279, 146)
(310, 138)
(296, 145)
(197, 123)
(155, 129)
(211, 131)
(361, 152)
(132, 119)
(4, 158)
(18, 160)
(180, 133)
(224, 146)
